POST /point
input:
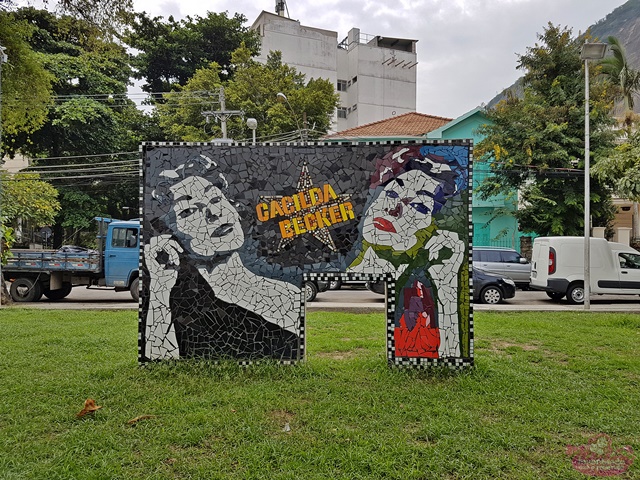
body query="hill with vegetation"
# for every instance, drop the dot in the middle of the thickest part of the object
(623, 23)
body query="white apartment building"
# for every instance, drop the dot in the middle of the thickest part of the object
(375, 76)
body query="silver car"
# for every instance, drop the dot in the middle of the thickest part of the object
(505, 262)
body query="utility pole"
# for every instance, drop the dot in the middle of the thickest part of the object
(305, 127)
(223, 114)
(3, 59)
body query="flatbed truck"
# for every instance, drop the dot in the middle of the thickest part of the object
(34, 273)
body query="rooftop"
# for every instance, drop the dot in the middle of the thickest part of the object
(411, 124)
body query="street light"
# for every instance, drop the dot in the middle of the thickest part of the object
(282, 98)
(252, 123)
(590, 51)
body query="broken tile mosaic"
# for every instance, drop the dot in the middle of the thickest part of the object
(231, 231)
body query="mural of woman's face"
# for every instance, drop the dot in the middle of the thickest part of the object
(400, 210)
(205, 219)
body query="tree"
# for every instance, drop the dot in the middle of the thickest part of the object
(91, 115)
(626, 80)
(536, 143)
(170, 52)
(25, 197)
(253, 90)
(622, 168)
(107, 15)
(26, 84)
(180, 115)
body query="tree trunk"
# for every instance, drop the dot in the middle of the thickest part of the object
(5, 298)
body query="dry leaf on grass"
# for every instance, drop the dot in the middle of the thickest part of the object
(133, 421)
(89, 407)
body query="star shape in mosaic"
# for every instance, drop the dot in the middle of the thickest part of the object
(305, 183)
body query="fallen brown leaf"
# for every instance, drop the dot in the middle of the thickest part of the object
(141, 417)
(89, 407)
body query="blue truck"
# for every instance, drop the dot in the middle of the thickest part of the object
(53, 273)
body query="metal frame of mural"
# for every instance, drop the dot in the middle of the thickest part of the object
(230, 232)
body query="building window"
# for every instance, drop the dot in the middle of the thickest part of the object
(355, 107)
(342, 85)
(342, 112)
(354, 79)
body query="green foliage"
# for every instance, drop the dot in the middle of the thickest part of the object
(91, 116)
(24, 195)
(7, 240)
(536, 143)
(253, 90)
(26, 85)
(180, 115)
(618, 70)
(170, 52)
(621, 168)
(107, 15)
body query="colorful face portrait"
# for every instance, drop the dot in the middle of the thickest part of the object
(402, 208)
(205, 219)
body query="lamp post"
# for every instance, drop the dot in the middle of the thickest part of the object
(283, 99)
(590, 51)
(252, 123)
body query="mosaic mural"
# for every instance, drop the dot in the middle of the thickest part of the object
(230, 233)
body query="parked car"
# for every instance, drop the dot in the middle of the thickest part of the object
(503, 261)
(490, 288)
(558, 268)
(487, 287)
(313, 287)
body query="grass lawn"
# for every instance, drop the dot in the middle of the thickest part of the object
(542, 381)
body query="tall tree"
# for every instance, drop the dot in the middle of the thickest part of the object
(625, 79)
(621, 168)
(170, 52)
(536, 143)
(91, 116)
(108, 15)
(26, 84)
(254, 90)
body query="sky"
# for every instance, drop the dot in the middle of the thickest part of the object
(467, 49)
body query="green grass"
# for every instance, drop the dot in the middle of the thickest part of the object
(542, 381)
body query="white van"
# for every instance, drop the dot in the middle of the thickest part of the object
(557, 267)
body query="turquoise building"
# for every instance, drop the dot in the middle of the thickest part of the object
(493, 220)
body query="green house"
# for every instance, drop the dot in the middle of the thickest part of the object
(493, 222)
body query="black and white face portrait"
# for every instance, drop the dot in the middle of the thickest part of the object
(206, 220)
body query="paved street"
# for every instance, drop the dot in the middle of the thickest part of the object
(350, 299)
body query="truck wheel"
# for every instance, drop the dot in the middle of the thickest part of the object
(310, 291)
(491, 295)
(575, 294)
(25, 290)
(60, 293)
(134, 289)
(555, 295)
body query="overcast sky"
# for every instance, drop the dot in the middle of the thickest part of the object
(467, 49)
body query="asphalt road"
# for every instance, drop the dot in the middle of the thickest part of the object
(347, 299)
